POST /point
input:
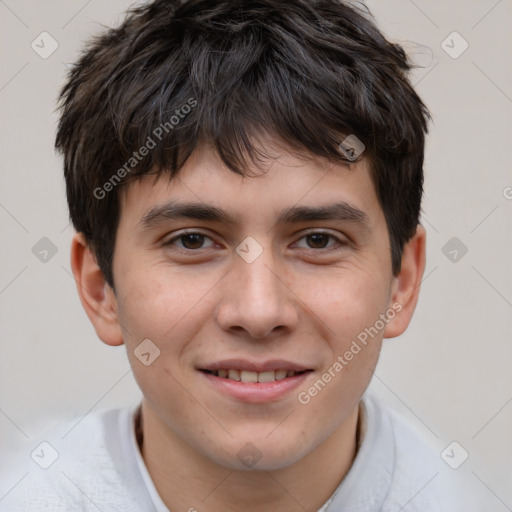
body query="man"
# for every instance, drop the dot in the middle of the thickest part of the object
(245, 180)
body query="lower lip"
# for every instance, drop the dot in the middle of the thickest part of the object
(256, 392)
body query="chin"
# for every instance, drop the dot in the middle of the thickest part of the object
(261, 454)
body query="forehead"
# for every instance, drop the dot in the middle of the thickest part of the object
(283, 181)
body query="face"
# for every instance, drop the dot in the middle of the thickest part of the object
(252, 292)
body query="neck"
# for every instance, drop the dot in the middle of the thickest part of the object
(186, 480)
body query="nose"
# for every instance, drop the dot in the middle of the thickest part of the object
(256, 299)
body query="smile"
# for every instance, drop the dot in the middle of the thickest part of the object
(254, 382)
(252, 376)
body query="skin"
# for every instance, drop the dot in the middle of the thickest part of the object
(200, 302)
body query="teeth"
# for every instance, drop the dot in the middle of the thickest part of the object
(281, 374)
(247, 376)
(266, 376)
(233, 374)
(250, 376)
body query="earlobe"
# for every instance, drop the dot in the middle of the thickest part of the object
(97, 297)
(406, 286)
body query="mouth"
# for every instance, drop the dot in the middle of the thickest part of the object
(249, 376)
(255, 382)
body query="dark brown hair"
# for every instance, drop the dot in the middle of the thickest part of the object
(177, 73)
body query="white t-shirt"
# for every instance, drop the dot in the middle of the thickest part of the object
(98, 467)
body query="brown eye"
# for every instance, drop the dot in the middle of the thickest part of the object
(192, 240)
(318, 240)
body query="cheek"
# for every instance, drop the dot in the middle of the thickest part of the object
(350, 309)
(168, 314)
(163, 306)
(347, 301)
(349, 304)
(169, 308)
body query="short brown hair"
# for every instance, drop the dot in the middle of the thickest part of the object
(308, 72)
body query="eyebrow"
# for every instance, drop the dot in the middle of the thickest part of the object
(341, 211)
(336, 211)
(174, 210)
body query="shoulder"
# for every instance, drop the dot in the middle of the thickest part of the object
(78, 465)
(420, 479)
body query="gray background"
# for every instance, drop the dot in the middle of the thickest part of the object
(450, 373)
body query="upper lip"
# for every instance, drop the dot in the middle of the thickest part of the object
(254, 366)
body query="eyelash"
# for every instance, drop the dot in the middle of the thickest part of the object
(184, 234)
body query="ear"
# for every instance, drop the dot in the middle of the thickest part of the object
(405, 288)
(97, 297)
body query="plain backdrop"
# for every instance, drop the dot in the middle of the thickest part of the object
(451, 373)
